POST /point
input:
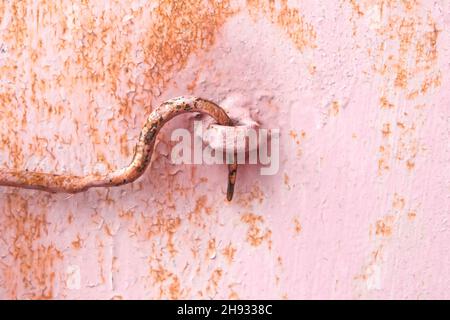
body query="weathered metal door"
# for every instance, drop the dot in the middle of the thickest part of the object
(359, 206)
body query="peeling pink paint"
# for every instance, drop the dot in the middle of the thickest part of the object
(359, 208)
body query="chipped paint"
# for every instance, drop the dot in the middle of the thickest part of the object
(359, 208)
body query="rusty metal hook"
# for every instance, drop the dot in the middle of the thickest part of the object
(142, 154)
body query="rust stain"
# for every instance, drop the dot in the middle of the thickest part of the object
(174, 288)
(386, 131)
(410, 164)
(32, 263)
(412, 215)
(101, 259)
(416, 57)
(433, 81)
(201, 206)
(193, 84)
(280, 261)
(407, 142)
(228, 252)
(286, 181)
(70, 218)
(426, 47)
(107, 230)
(233, 296)
(126, 214)
(376, 257)
(385, 104)
(384, 230)
(334, 109)
(172, 226)
(356, 7)
(255, 195)
(124, 147)
(213, 281)
(384, 150)
(297, 226)
(298, 137)
(289, 19)
(406, 57)
(169, 283)
(256, 233)
(398, 202)
(383, 227)
(77, 243)
(382, 165)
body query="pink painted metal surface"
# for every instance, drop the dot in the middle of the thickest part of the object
(360, 205)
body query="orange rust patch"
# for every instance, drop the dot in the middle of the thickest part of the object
(2, 8)
(412, 95)
(334, 109)
(433, 81)
(398, 202)
(126, 214)
(248, 198)
(383, 160)
(213, 281)
(124, 148)
(312, 69)
(107, 230)
(410, 164)
(70, 218)
(382, 165)
(255, 234)
(156, 225)
(375, 258)
(201, 206)
(233, 296)
(160, 274)
(101, 259)
(401, 79)
(408, 50)
(191, 86)
(412, 215)
(289, 19)
(174, 288)
(356, 7)
(77, 243)
(386, 131)
(293, 134)
(297, 226)
(168, 282)
(286, 181)
(33, 264)
(229, 252)
(297, 138)
(280, 261)
(407, 143)
(384, 226)
(426, 47)
(171, 226)
(385, 104)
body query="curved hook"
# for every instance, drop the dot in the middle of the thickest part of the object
(142, 154)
